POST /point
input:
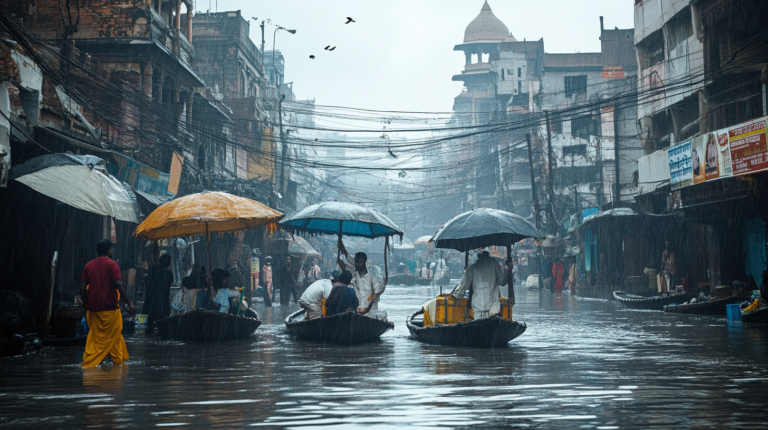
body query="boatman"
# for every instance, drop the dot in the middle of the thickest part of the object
(484, 277)
(367, 287)
(312, 298)
(101, 287)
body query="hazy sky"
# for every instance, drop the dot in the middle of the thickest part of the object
(399, 54)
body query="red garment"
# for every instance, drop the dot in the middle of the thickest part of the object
(557, 273)
(101, 274)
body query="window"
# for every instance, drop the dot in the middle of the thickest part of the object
(575, 85)
(502, 74)
(574, 150)
(679, 28)
(519, 72)
(519, 87)
(584, 127)
(556, 126)
(651, 50)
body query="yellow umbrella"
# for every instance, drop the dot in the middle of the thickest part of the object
(204, 213)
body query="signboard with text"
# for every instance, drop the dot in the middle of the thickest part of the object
(680, 171)
(749, 149)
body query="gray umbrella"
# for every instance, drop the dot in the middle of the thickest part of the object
(80, 181)
(483, 227)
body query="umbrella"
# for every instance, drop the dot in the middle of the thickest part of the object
(299, 246)
(423, 240)
(204, 213)
(80, 181)
(347, 219)
(483, 227)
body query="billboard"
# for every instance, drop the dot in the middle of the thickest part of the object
(680, 171)
(749, 150)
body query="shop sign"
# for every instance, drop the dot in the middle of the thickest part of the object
(749, 149)
(680, 171)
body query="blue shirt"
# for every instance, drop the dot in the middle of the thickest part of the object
(340, 299)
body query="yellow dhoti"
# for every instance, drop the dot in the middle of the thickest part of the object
(104, 338)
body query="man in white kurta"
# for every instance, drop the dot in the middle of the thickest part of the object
(368, 287)
(485, 276)
(311, 300)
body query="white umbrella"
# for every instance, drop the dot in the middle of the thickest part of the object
(80, 181)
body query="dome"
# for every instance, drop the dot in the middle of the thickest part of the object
(486, 28)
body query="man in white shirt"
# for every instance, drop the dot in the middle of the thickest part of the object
(312, 298)
(367, 287)
(485, 277)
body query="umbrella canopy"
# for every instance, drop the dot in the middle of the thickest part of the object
(423, 240)
(80, 181)
(297, 246)
(483, 227)
(329, 217)
(206, 212)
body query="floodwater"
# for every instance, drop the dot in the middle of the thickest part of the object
(581, 364)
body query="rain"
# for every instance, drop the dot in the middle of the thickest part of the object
(383, 214)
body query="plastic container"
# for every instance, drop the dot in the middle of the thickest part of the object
(141, 318)
(734, 312)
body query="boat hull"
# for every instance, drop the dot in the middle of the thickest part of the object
(759, 316)
(493, 332)
(347, 328)
(208, 326)
(711, 307)
(655, 303)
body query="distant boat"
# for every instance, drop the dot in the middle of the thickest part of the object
(759, 316)
(654, 303)
(491, 332)
(707, 307)
(348, 328)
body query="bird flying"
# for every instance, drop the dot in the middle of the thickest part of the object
(332, 48)
(349, 20)
(312, 57)
(326, 48)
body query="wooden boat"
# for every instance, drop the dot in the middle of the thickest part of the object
(709, 307)
(202, 325)
(406, 279)
(348, 328)
(759, 316)
(653, 303)
(492, 332)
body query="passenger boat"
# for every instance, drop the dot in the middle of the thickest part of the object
(708, 307)
(202, 325)
(654, 303)
(348, 328)
(492, 332)
(406, 279)
(759, 316)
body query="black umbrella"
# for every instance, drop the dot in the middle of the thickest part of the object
(483, 227)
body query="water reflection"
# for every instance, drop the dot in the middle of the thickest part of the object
(581, 363)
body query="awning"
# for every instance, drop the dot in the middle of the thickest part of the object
(611, 213)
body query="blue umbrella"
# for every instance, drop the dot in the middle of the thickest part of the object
(347, 219)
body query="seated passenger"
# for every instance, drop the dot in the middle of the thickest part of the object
(341, 297)
(313, 296)
(221, 297)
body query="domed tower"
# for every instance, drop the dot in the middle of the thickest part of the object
(481, 41)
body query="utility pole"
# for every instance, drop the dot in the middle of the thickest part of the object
(536, 207)
(617, 194)
(551, 214)
(282, 144)
(262, 44)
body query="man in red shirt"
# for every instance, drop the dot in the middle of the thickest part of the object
(102, 286)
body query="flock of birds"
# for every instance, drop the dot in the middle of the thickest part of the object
(329, 48)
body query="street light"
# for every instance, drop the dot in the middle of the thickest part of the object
(274, 36)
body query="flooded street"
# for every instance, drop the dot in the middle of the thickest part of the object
(581, 363)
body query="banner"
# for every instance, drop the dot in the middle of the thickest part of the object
(749, 150)
(697, 159)
(176, 164)
(680, 171)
